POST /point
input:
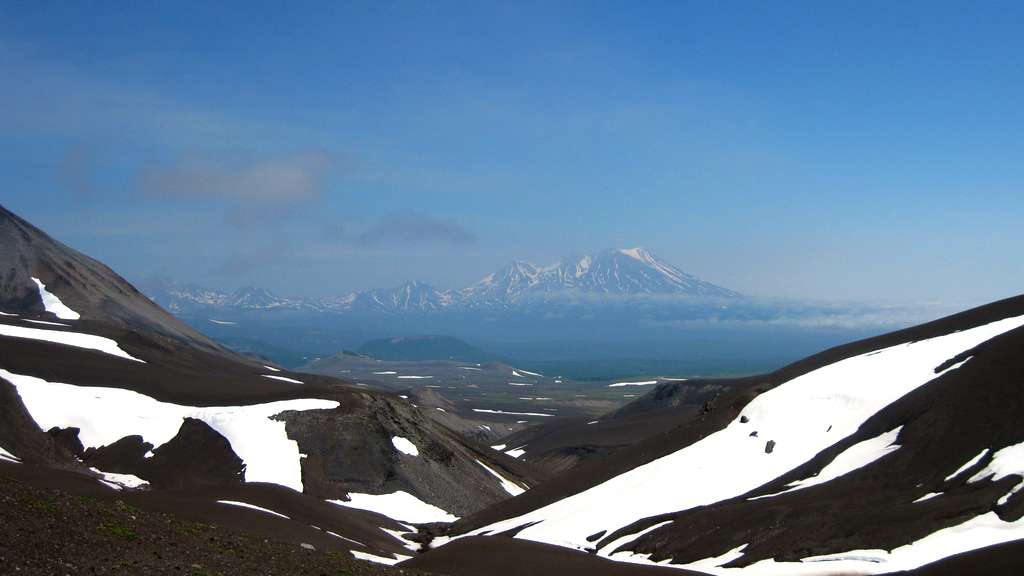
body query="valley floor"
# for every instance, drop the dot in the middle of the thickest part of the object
(49, 531)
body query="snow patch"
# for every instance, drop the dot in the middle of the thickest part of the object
(857, 456)
(971, 463)
(795, 415)
(927, 496)
(251, 507)
(644, 383)
(415, 377)
(379, 559)
(509, 486)
(405, 446)
(283, 379)
(485, 411)
(1007, 461)
(77, 339)
(271, 368)
(53, 304)
(8, 457)
(105, 415)
(222, 322)
(120, 481)
(397, 506)
(498, 447)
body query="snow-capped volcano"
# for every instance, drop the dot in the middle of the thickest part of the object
(628, 271)
(505, 285)
(621, 272)
(409, 296)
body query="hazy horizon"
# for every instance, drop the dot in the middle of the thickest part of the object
(854, 152)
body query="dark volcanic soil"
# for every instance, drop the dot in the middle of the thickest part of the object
(45, 531)
(500, 556)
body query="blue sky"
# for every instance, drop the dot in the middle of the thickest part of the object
(825, 150)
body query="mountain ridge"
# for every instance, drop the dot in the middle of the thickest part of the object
(624, 272)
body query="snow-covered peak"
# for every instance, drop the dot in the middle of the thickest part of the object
(637, 253)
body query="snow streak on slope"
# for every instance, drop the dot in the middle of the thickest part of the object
(509, 486)
(8, 457)
(106, 415)
(252, 507)
(399, 505)
(857, 456)
(379, 559)
(802, 417)
(978, 532)
(283, 379)
(53, 304)
(77, 339)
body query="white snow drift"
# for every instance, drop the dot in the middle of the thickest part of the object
(487, 411)
(802, 416)
(77, 339)
(644, 383)
(398, 506)
(509, 486)
(404, 446)
(53, 304)
(105, 415)
(252, 507)
(7, 456)
(282, 378)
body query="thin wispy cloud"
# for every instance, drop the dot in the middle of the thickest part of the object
(277, 180)
(253, 190)
(407, 229)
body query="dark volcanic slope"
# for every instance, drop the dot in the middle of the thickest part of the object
(205, 413)
(474, 556)
(566, 443)
(84, 284)
(967, 403)
(62, 531)
(944, 425)
(723, 409)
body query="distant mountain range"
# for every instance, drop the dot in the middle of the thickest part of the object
(630, 272)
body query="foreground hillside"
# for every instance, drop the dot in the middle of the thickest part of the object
(48, 531)
(878, 456)
(102, 388)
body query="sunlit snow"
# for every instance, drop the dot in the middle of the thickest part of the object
(251, 507)
(970, 463)
(486, 411)
(802, 416)
(105, 415)
(120, 481)
(509, 486)
(379, 559)
(283, 379)
(404, 446)
(77, 339)
(398, 506)
(53, 304)
(644, 383)
(7, 456)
